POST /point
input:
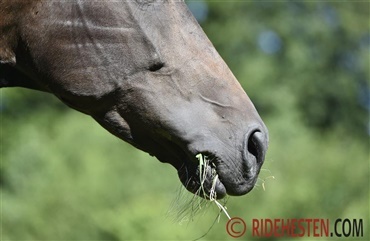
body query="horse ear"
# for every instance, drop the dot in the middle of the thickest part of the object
(7, 56)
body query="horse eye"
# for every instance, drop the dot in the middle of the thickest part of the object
(156, 66)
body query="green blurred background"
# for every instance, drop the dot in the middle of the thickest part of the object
(305, 65)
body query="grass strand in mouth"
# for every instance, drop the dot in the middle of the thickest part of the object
(204, 165)
(185, 207)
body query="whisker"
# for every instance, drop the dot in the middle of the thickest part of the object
(264, 181)
(189, 206)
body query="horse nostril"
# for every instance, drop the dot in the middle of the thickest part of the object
(253, 146)
(156, 66)
(256, 146)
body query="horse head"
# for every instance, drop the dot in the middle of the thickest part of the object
(148, 74)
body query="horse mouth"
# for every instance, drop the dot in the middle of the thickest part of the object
(202, 178)
(216, 176)
(222, 171)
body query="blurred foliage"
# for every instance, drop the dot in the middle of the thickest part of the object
(304, 64)
(317, 51)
